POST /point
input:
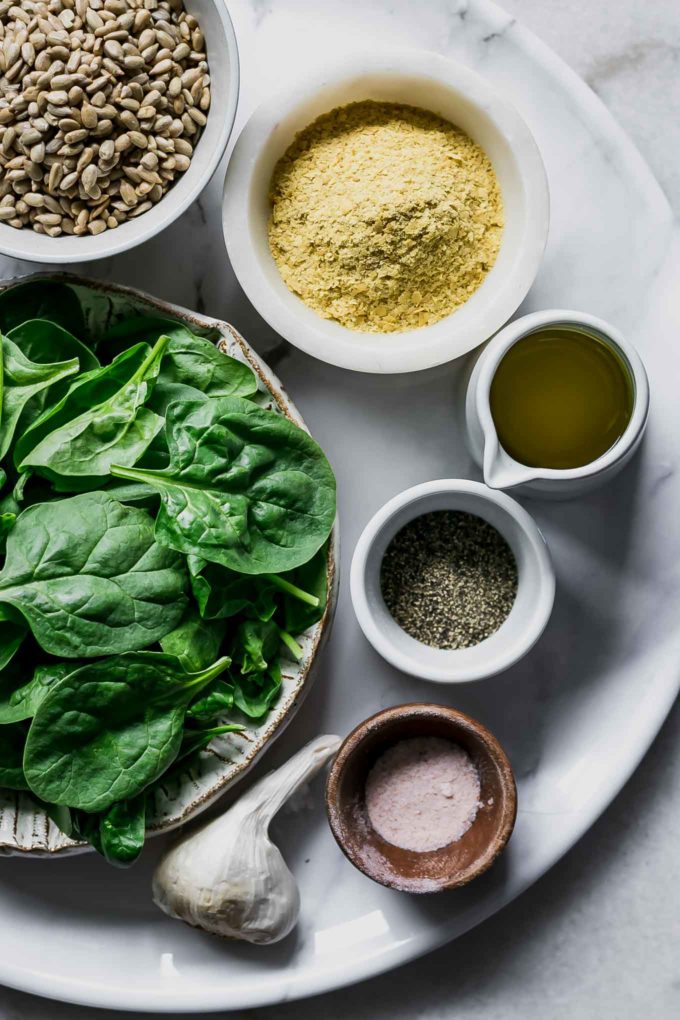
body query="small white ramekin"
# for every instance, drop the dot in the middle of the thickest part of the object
(523, 626)
(222, 53)
(415, 78)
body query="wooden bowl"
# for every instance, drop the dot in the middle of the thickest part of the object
(449, 866)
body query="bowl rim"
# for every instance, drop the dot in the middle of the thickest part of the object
(534, 543)
(110, 242)
(492, 749)
(427, 346)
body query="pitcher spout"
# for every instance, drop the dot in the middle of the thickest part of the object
(500, 470)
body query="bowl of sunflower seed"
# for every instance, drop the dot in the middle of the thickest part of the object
(114, 115)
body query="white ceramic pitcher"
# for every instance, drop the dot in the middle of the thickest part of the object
(503, 472)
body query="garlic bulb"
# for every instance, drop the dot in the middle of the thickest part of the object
(228, 878)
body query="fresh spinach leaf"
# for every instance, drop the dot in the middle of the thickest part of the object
(122, 831)
(198, 740)
(191, 360)
(198, 363)
(166, 393)
(22, 380)
(12, 741)
(256, 672)
(108, 730)
(255, 693)
(61, 816)
(7, 522)
(13, 630)
(19, 699)
(9, 504)
(87, 390)
(135, 329)
(217, 700)
(193, 741)
(116, 429)
(84, 826)
(245, 488)
(256, 645)
(196, 642)
(222, 593)
(41, 299)
(40, 340)
(311, 577)
(133, 494)
(89, 578)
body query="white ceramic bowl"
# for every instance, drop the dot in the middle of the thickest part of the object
(222, 55)
(419, 79)
(528, 616)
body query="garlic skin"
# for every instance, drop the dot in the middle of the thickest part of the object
(227, 877)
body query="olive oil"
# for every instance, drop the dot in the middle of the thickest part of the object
(561, 397)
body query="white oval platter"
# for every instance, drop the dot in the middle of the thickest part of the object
(576, 715)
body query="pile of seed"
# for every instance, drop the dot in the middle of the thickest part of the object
(101, 105)
(449, 579)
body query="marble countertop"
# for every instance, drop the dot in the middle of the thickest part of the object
(597, 937)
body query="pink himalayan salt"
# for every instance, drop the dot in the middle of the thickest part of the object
(422, 793)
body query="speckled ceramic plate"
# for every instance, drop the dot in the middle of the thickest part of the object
(24, 827)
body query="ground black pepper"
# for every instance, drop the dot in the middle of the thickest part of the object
(449, 579)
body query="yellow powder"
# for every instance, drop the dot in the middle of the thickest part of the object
(384, 217)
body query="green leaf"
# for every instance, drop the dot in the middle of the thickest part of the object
(42, 340)
(7, 522)
(166, 393)
(19, 699)
(21, 381)
(222, 593)
(41, 299)
(61, 816)
(216, 701)
(88, 389)
(256, 646)
(311, 577)
(122, 832)
(12, 634)
(198, 740)
(196, 642)
(256, 693)
(108, 730)
(133, 494)
(89, 578)
(12, 741)
(117, 428)
(135, 329)
(198, 363)
(191, 361)
(245, 488)
(257, 671)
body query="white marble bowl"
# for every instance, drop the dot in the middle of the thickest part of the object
(25, 828)
(419, 79)
(528, 616)
(222, 53)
